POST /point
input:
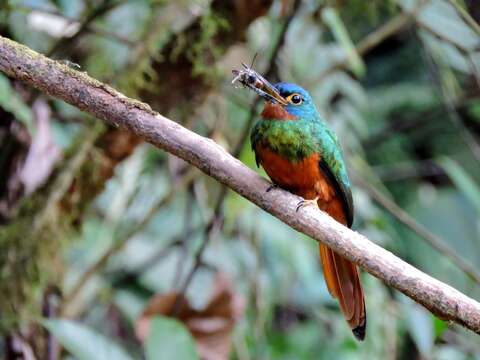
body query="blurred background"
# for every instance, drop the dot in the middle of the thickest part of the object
(104, 240)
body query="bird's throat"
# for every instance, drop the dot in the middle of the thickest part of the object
(273, 111)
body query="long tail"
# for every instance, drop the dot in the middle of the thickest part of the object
(343, 282)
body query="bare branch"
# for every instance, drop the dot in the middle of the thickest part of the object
(102, 101)
(403, 217)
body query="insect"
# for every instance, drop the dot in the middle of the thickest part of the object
(256, 82)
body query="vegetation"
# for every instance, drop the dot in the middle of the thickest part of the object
(112, 249)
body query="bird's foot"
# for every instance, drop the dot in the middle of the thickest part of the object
(271, 187)
(305, 202)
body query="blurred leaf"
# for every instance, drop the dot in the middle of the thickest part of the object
(211, 327)
(474, 110)
(169, 339)
(83, 342)
(51, 24)
(449, 215)
(338, 29)
(11, 102)
(43, 153)
(69, 7)
(402, 95)
(443, 20)
(420, 326)
(462, 180)
(129, 303)
(439, 326)
(448, 352)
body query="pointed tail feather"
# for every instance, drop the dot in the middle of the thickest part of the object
(343, 282)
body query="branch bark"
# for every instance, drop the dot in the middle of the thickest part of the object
(105, 103)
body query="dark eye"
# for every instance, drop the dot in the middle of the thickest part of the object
(295, 99)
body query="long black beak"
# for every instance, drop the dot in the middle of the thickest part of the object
(270, 93)
(256, 82)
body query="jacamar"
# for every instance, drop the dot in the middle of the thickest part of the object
(301, 154)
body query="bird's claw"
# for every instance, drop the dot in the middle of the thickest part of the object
(305, 202)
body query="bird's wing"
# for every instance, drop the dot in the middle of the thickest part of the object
(342, 189)
(333, 166)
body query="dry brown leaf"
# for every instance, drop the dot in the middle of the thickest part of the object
(211, 327)
(43, 153)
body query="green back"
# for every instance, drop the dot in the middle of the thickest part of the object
(300, 138)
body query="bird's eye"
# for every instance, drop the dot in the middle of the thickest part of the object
(295, 99)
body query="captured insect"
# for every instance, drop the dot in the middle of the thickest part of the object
(256, 82)
(248, 77)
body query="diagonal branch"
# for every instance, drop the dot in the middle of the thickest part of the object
(102, 101)
(403, 217)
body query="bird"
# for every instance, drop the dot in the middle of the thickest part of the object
(301, 154)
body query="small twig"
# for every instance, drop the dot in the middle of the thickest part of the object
(187, 226)
(400, 125)
(120, 243)
(449, 104)
(215, 222)
(475, 68)
(466, 16)
(18, 347)
(459, 340)
(403, 217)
(409, 123)
(51, 301)
(90, 28)
(392, 27)
(371, 41)
(65, 43)
(152, 260)
(408, 170)
(123, 277)
(63, 180)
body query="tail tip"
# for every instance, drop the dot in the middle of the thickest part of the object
(359, 332)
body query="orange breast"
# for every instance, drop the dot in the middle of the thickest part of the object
(303, 178)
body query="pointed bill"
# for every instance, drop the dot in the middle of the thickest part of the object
(256, 82)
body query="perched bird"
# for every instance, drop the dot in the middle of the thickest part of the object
(301, 154)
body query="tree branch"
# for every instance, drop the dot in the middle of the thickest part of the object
(403, 217)
(102, 101)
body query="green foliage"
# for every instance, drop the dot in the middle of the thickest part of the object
(204, 46)
(331, 18)
(394, 116)
(169, 339)
(11, 102)
(84, 343)
(421, 327)
(28, 261)
(139, 72)
(463, 181)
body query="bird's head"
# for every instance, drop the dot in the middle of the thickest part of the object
(290, 102)
(284, 101)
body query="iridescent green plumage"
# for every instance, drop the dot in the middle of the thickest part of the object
(307, 134)
(302, 155)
